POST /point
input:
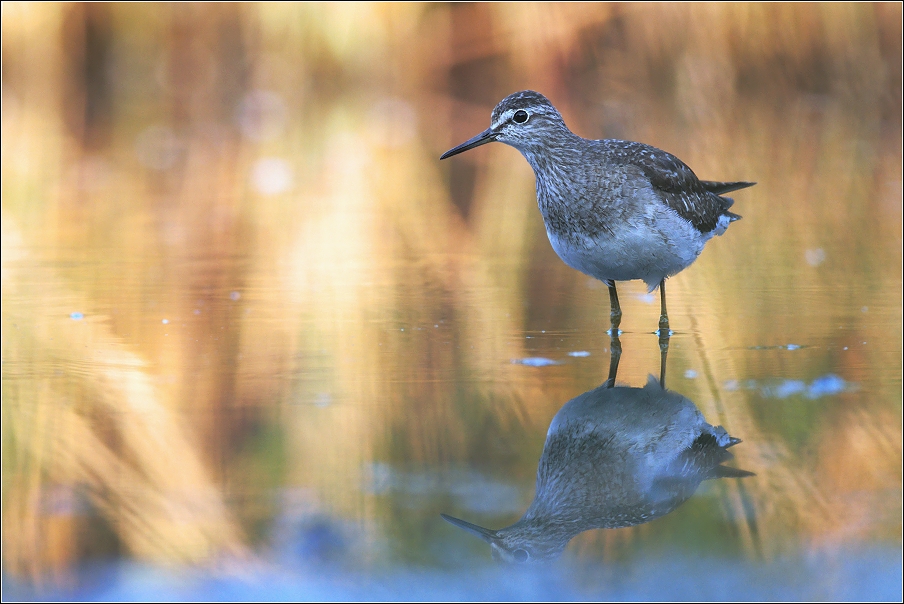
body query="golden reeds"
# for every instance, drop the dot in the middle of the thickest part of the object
(265, 179)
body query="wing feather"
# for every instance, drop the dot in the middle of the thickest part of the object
(697, 201)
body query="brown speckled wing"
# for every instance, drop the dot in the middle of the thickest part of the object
(678, 186)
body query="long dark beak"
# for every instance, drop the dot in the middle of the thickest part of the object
(487, 136)
(486, 534)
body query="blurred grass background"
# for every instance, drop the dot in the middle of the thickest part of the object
(281, 284)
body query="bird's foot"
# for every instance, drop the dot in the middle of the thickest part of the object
(615, 320)
(664, 330)
(664, 344)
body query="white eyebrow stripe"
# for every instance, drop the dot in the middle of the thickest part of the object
(503, 118)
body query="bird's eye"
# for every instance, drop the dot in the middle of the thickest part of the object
(519, 118)
(520, 555)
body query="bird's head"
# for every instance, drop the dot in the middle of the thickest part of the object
(521, 543)
(523, 120)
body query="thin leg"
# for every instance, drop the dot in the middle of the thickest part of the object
(664, 315)
(615, 315)
(663, 353)
(615, 355)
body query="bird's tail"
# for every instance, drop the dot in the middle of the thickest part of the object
(720, 188)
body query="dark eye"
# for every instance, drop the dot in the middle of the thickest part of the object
(520, 555)
(520, 117)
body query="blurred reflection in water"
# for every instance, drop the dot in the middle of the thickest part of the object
(615, 456)
(237, 284)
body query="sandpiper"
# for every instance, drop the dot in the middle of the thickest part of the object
(615, 210)
(615, 456)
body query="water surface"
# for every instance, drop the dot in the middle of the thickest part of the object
(257, 338)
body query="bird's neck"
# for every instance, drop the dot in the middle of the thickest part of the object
(550, 536)
(555, 153)
(557, 168)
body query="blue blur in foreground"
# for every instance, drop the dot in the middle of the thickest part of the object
(534, 362)
(825, 385)
(869, 574)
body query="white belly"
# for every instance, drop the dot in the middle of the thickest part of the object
(648, 249)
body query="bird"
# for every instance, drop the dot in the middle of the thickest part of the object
(615, 456)
(615, 210)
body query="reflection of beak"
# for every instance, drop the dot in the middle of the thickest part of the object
(485, 534)
(487, 136)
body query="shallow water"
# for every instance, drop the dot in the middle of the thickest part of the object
(246, 365)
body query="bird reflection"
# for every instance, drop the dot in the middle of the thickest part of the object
(615, 456)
